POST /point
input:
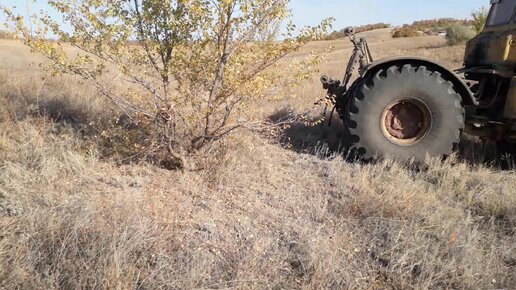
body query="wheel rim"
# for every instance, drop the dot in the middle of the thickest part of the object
(405, 122)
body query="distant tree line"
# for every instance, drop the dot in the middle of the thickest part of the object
(340, 33)
(6, 35)
(421, 27)
(438, 24)
(457, 31)
(429, 27)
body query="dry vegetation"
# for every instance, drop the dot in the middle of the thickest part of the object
(434, 26)
(263, 215)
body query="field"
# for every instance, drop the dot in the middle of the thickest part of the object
(285, 213)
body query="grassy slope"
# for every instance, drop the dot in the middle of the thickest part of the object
(264, 217)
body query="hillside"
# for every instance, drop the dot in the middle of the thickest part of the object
(265, 213)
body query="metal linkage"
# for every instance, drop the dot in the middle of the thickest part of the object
(361, 57)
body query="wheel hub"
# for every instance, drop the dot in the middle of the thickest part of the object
(405, 122)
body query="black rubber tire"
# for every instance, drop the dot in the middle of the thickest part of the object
(387, 86)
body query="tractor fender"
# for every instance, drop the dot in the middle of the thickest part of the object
(459, 84)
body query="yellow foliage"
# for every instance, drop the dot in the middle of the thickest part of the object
(190, 65)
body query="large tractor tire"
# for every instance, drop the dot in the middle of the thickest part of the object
(405, 112)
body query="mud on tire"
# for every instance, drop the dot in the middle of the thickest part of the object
(405, 112)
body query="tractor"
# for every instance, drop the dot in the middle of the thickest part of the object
(413, 107)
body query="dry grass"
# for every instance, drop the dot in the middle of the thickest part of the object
(261, 217)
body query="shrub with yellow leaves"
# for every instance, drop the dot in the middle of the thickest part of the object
(188, 67)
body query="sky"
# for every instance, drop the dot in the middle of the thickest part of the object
(395, 12)
(348, 12)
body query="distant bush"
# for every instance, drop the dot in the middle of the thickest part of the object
(440, 23)
(404, 32)
(370, 27)
(479, 19)
(429, 27)
(459, 34)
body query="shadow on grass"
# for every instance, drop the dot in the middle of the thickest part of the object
(301, 135)
(62, 104)
(64, 111)
(329, 139)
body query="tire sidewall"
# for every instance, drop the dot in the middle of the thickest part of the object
(443, 103)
